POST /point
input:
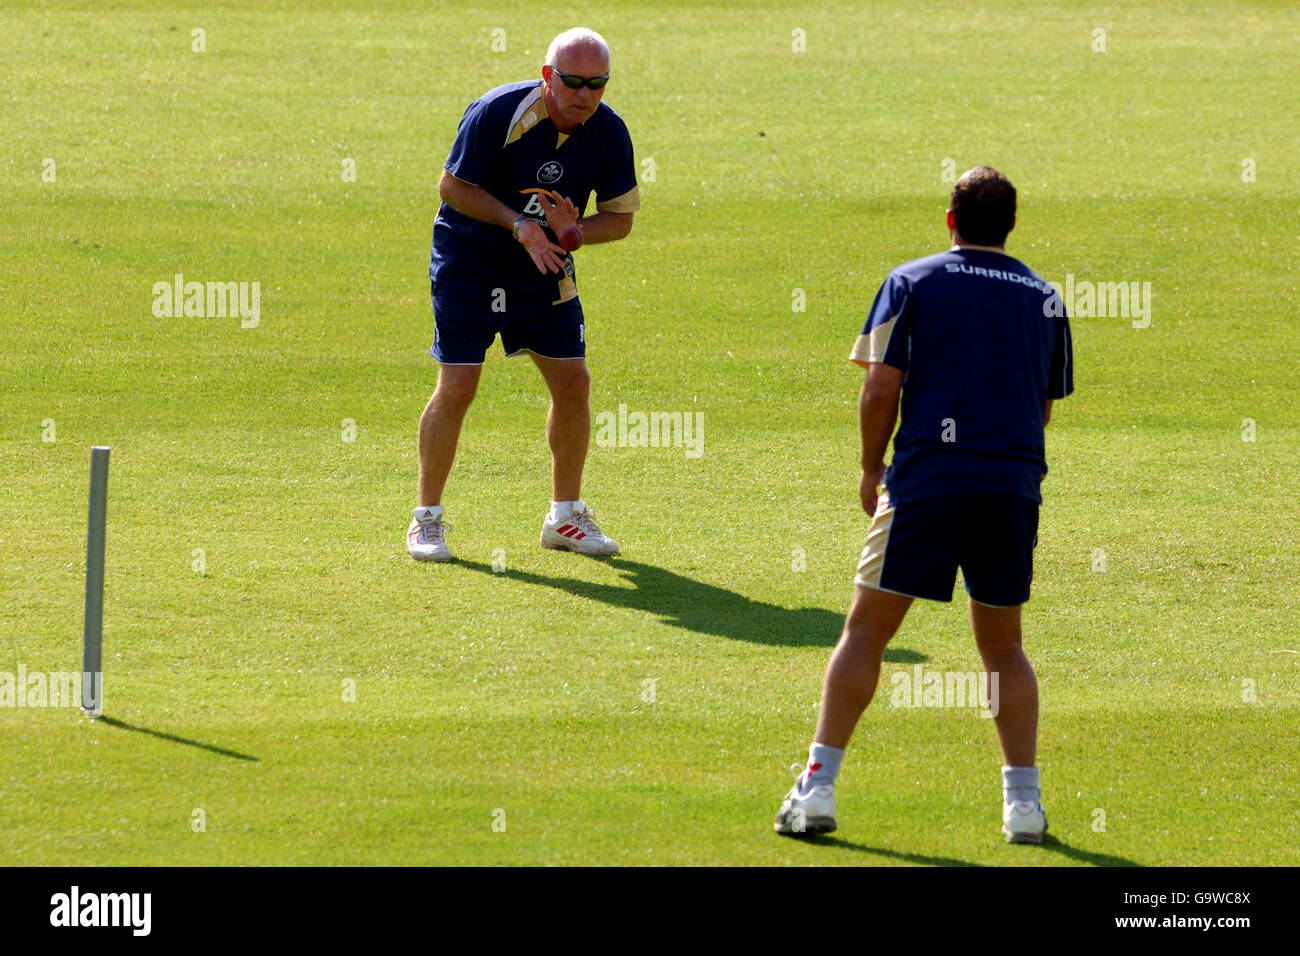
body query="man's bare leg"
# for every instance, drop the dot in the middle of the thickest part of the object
(440, 428)
(997, 635)
(568, 423)
(854, 669)
(850, 683)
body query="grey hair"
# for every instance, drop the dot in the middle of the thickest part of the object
(577, 34)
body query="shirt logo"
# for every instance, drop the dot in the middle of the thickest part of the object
(550, 173)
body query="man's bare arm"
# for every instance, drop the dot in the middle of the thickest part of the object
(606, 226)
(1047, 412)
(602, 227)
(477, 203)
(877, 415)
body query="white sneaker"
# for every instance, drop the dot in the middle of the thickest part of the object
(1023, 822)
(814, 812)
(425, 539)
(577, 533)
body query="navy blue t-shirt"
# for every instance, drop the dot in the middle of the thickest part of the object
(508, 145)
(983, 343)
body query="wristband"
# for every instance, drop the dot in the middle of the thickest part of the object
(519, 222)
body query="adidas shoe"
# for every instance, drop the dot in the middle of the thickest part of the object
(813, 812)
(425, 538)
(577, 533)
(1023, 822)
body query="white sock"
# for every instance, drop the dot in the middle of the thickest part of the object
(1020, 785)
(564, 509)
(823, 766)
(428, 512)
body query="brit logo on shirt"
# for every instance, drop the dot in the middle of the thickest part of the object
(550, 173)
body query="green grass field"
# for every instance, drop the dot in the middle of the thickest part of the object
(1170, 680)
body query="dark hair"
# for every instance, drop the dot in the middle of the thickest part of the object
(984, 206)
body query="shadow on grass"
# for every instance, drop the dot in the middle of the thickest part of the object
(114, 722)
(821, 839)
(1074, 853)
(1049, 843)
(703, 608)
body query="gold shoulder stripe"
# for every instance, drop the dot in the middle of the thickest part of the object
(630, 201)
(528, 113)
(871, 346)
(861, 351)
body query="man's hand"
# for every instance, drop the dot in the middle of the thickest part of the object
(546, 255)
(559, 216)
(871, 478)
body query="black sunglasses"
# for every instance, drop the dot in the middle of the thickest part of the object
(575, 82)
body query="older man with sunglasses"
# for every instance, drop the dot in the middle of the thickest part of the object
(526, 160)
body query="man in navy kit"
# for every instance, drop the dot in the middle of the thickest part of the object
(526, 160)
(979, 347)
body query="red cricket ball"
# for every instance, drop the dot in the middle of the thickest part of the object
(571, 238)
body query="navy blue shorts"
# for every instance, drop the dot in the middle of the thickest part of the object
(916, 547)
(464, 327)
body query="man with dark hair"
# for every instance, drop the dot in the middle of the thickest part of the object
(984, 207)
(526, 160)
(978, 347)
